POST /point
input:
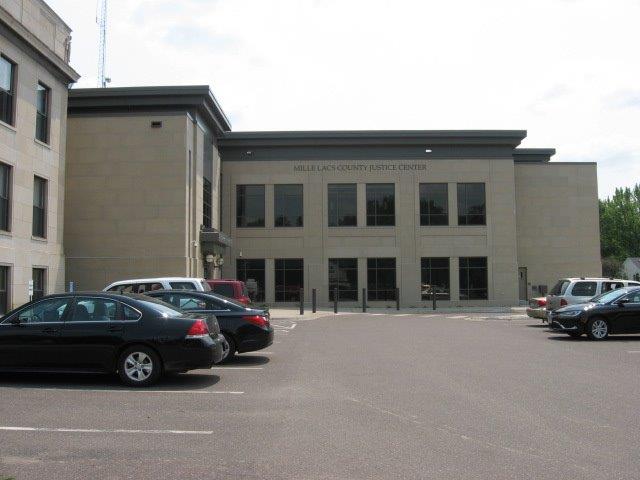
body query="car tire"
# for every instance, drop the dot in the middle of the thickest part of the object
(139, 366)
(232, 348)
(597, 329)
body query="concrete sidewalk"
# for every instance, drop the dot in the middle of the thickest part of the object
(294, 313)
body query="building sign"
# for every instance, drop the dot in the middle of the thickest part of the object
(360, 167)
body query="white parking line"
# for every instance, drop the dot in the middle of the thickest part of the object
(124, 390)
(95, 430)
(237, 368)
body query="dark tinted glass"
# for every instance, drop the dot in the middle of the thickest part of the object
(434, 204)
(224, 289)
(250, 205)
(289, 279)
(343, 275)
(207, 199)
(471, 204)
(39, 207)
(184, 301)
(342, 205)
(7, 84)
(94, 310)
(251, 272)
(473, 278)
(45, 311)
(584, 289)
(288, 205)
(381, 278)
(381, 204)
(42, 113)
(5, 197)
(181, 286)
(38, 276)
(4, 289)
(435, 276)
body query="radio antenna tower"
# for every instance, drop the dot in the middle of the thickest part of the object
(101, 20)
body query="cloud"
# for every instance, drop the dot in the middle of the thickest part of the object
(625, 99)
(193, 37)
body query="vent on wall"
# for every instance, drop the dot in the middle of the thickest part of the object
(156, 124)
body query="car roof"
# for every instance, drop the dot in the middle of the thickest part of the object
(159, 279)
(603, 279)
(223, 280)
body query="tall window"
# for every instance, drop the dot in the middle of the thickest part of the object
(434, 204)
(471, 204)
(289, 279)
(5, 197)
(381, 278)
(4, 289)
(381, 210)
(343, 275)
(473, 278)
(250, 205)
(343, 205)
(42, 113)
(207, 200)
(38, 275)
(7, 90)
(435, 277)
(39, 207)
(288, 205)
(251, 272)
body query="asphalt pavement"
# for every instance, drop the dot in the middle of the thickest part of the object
(352, 396)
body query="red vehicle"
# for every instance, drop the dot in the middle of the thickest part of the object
(234, 289)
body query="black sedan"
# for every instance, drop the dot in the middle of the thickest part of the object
(245, 329)
(616, 311)
(138, 337)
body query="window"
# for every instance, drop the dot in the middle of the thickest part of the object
(435, 276)
(181, 286)
(94, 310)
(129, 313)
(606, 286)
(471, 204)
(343, 275)
(251, 272)
(584, 289)
(207, 200)
(42, 113)
(560, 287)
(224, 289)
(633, 297)
(288, 205)
(434, 204)
(250, 205)
(38, 275)
(473, 278)
(343, 205)
(381, 204)
(289, 279)
(7, 90)
(381, 278)
(5, 197)
(4, 289)
(185, 301)
(39, 207)
(45, 311)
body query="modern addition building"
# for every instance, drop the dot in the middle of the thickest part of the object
(34, 79)
(158, 184)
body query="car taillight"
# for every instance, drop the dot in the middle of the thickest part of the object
(199, 329)
(563, 302)
(258, 320)
(542, 302)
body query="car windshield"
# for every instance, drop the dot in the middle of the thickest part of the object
(560, 287)
(609, 296)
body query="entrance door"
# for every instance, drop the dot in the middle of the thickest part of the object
(522, 284)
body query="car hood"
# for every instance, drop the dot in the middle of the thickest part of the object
(576, 307)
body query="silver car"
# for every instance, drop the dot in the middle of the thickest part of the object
(569, 291)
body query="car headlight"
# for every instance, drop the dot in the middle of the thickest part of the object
(572, 313)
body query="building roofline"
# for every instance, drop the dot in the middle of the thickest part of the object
(156, 98)
(533, 155)
(53, 13)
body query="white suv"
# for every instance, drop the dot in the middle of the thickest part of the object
(142, 285)
(569, 291)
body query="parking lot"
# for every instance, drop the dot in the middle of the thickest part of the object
(451, 396)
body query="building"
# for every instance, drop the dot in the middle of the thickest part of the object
(34, 79)
(158, 184)
(631, 268)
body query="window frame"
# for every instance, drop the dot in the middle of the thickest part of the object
(207, 203)
(425, 218)
(242, 224)
(341, 292)
(298, 223)
(9, 196)
(5, 275)
(337, 194)
(468, 270)
(261, 294)
(43, 289)
(377, 297)
(45, 194)
(430, 268)
(283, 290)
(464, 202)
(46, 115)
(11, 93)
(373, 219)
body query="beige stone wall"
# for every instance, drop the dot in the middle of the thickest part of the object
(407, 241)
(126, 198)
(557, 221)
(29, 157)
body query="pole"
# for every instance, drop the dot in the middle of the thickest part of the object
(433, 297)
(397, 299)
(302, 301)
(313, 301)
(364, 300)
(335, 300)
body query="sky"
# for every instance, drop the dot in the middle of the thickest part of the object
(567, 71)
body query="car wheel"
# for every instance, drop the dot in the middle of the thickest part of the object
(230, 352)
(139, 366)
(597, 329)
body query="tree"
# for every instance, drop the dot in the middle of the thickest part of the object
(611, 267)
(620, 224)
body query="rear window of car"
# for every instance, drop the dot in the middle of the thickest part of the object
(225, 289)
(182, 286)
(584, 289)
(560, 288)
